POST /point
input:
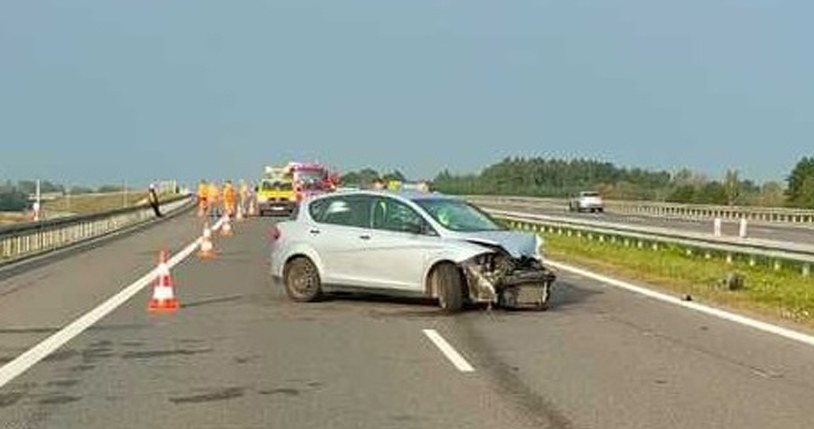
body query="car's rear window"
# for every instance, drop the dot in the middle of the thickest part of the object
(590, 194)
(350, 210)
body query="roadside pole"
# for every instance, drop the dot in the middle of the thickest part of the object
(37, 203)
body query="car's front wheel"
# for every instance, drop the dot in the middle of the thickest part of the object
(449, 286)
(302, 282)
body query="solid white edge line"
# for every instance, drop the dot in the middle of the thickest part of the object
(711, 311)
(34, 355)
(460, 363)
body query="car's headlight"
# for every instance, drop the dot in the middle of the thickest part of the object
(538, 247)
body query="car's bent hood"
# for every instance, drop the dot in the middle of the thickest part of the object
(516, 243)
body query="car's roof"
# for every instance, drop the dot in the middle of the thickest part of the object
(406, 195)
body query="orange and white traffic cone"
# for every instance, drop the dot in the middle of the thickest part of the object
(239, 216)
(163, 299)
(226, 228)
(207, 249)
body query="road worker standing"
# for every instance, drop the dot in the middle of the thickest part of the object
(212, 198)
(203, 191)
(244, 196)
(229, 198)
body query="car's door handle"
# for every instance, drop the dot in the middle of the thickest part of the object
(365, 237)
(314, 231)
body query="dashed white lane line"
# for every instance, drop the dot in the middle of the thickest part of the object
(460, 363)
(31, 357)
(711, 311)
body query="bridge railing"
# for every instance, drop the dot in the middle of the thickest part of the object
(29, 239)
(774, 253)
(797, 217)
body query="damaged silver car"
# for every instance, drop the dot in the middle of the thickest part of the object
(407, 244)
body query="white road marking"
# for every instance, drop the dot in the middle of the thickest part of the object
(460, 363)
(711, 311)
(31, 357)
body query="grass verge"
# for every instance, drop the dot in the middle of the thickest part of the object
(783, 294)
(96, 203)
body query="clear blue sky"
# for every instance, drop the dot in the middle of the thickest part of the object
(100, 91)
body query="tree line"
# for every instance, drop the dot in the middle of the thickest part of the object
(547, 177)
(14, 195)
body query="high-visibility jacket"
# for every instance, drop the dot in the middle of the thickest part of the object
(229, 194)
(244, 191)
(213, 193)
(203, 190)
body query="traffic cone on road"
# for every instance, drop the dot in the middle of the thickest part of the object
(226, 228)
(163, 299)
(207, 250)
(239, 216)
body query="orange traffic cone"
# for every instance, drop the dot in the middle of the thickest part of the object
(163, 299)
(226, 228)
(207, 250)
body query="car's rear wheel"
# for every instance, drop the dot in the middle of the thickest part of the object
(302, 282)
(449, 286)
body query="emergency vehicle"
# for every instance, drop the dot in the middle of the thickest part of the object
(275, 192)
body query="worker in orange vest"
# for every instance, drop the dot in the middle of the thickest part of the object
(203, 190)
(244, 196)
(229, 198)
(212, 198)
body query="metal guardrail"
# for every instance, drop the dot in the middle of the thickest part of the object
(33, 238)
(751, 250)
(797, 217)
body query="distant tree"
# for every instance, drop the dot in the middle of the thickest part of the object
(711, 193)
(732, 186)
(771, 194)
(682, 194)
(30, 186)
(800, 192)
(77, 190)
(363, 177)
(109, 188)
(13, 200)
(395, 175)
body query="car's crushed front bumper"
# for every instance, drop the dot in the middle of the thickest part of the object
(508, 282)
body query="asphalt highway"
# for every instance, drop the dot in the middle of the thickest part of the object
(239, 354)
(729, 228)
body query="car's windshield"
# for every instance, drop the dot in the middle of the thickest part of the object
(276, 186)
(457, 215)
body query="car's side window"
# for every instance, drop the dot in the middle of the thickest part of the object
(393, 215)
(317, 208)
(347, 211)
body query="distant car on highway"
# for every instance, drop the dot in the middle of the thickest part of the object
(413, 244)
(587, 201)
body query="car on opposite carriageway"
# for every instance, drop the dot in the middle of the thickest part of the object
(587, 201)
(416, 244)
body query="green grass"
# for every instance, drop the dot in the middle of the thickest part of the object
(91, 203)
(7, 218)
(780, 294)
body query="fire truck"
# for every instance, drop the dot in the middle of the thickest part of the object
(310, 179)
